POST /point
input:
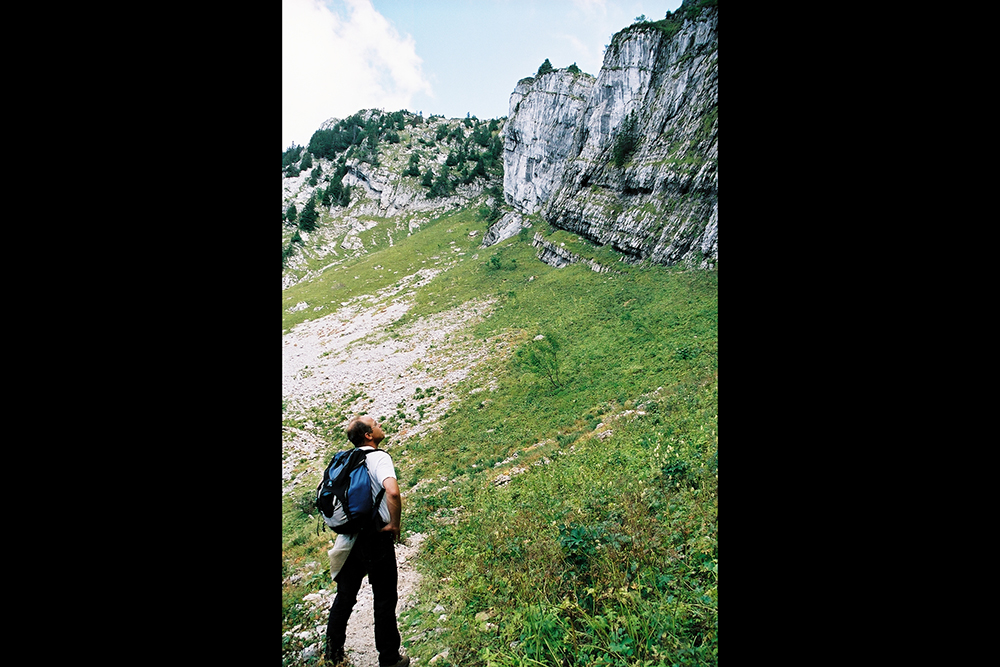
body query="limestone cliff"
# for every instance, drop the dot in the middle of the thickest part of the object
(537, 146)
(646, 185)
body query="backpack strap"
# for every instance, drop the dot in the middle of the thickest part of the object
(378, 498)
(378, 502)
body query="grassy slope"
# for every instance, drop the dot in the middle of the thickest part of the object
(604, 555)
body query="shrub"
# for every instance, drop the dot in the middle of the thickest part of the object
(314, 176)
(541, 356)
(627, 141)
(306, 502)
(442, 186)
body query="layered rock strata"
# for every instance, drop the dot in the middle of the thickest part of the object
(559, 257)
(658, 201)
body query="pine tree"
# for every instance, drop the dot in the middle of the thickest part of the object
(545, 68)
(290, 155)
(314, 176)
(414, 168)
(442, 186)
(307, 221)
(428, 178)
(334, 192)
(325, 196)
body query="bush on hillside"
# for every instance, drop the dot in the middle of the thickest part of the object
(627, 140)
(442, 186)
(541, 357)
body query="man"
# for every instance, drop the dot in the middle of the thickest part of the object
(373, 554)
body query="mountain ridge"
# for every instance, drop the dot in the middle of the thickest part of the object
(627, 159)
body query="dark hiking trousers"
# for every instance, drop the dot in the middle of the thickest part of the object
(373, 554)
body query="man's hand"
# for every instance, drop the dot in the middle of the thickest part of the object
(389, 528)
(394, 501)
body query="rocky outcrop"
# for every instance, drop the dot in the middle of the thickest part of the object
(381, 191)
(657, 201)
(559, 257)
(507, 226)
(536, 147)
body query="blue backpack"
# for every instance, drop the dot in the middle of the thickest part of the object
(344, 497)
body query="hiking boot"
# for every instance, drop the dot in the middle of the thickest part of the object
(334, 658)
(403, 662)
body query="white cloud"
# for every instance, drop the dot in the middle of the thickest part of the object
(333, 66)
(592, 8)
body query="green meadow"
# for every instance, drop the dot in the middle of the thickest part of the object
(573, 514)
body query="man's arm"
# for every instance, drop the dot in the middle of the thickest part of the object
(394, 501)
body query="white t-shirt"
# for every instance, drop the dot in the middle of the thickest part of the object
(380, 468)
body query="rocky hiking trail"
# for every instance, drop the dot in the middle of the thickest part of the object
(345, 359)
(360, 645)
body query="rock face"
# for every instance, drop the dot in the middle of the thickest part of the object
(536, 147)
(559, 257)
(658, 201)
(504, 228)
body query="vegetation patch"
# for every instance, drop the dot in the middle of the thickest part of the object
(569, 500)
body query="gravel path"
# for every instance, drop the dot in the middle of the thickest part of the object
(360, 644)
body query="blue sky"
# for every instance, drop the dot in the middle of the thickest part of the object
(445, 57)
